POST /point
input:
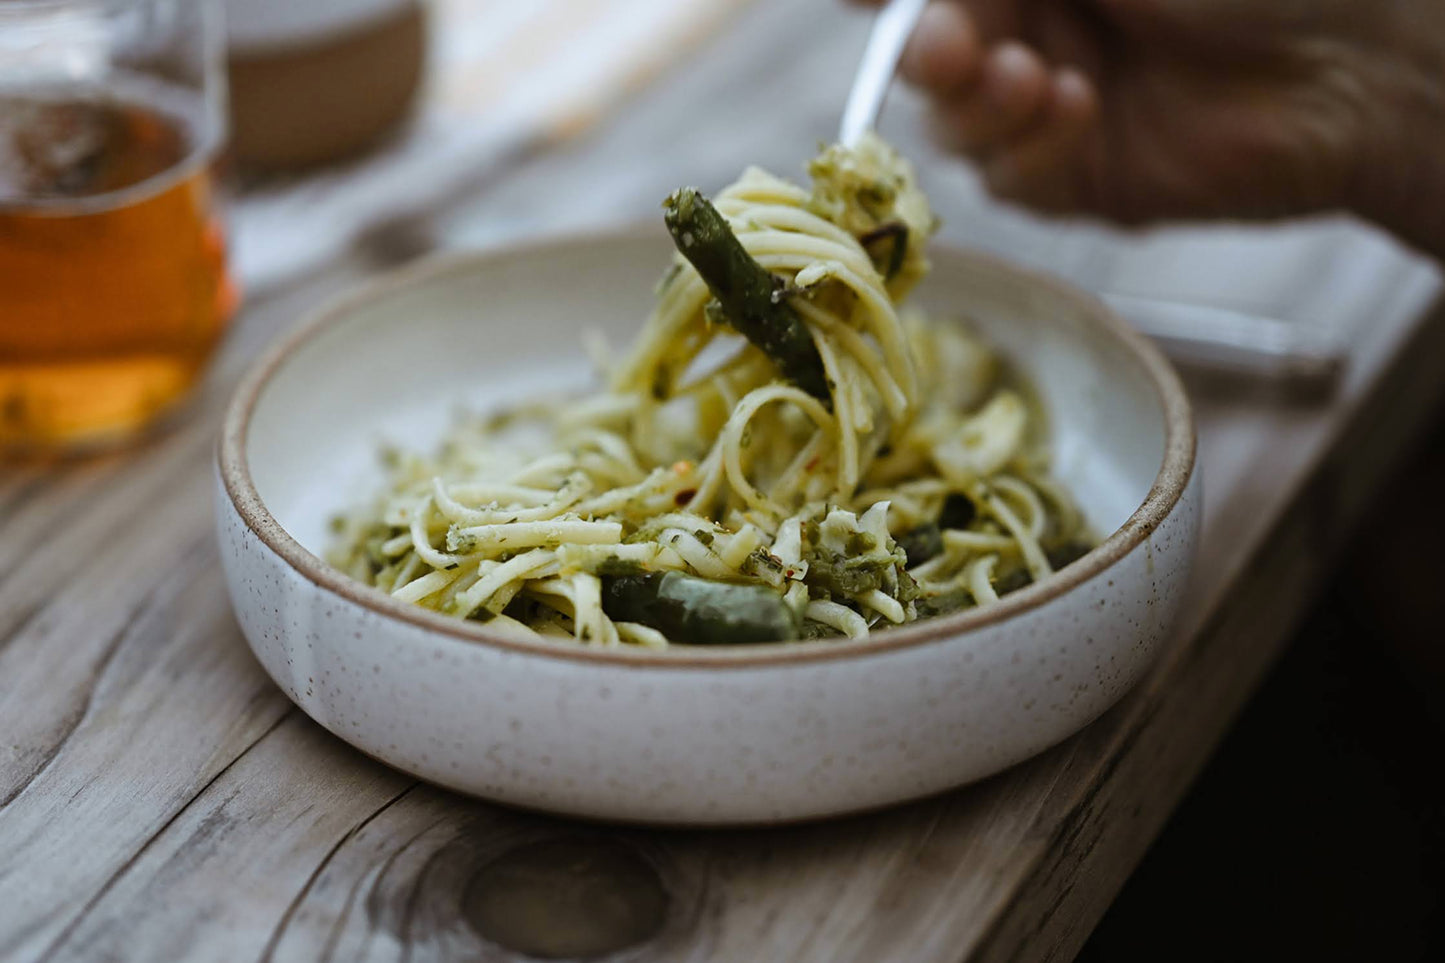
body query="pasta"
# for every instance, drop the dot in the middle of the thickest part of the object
(783, 454)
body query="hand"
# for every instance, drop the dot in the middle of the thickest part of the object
(1142, 110)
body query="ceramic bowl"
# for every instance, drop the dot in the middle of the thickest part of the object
(690, 735)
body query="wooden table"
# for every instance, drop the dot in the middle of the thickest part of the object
(161, 799)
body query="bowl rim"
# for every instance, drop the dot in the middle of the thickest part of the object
(1175, 473)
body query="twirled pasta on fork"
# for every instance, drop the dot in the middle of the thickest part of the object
(785, 453)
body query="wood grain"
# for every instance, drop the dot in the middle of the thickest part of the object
(123, 692)
(160, 798)
(253, 834)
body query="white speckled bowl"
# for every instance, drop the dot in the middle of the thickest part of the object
(697, 735)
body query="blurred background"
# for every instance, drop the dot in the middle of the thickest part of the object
(517, 98)
(366, 133)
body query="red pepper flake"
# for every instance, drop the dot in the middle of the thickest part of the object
(812, 463)
(684, 496)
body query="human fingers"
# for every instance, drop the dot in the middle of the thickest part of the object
(1013, 88)
(1042, 167)
(944, 54)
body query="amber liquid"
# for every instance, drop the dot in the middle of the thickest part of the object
(113, 284)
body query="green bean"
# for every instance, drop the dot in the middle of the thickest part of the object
(697, 610)
(749, 295)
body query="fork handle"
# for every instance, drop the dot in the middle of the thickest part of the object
(890, 34)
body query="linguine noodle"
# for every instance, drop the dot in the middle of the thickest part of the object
(914, 485)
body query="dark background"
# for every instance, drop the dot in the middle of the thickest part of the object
(1318, 830)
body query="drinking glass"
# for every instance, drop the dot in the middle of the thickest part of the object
(113, 283)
